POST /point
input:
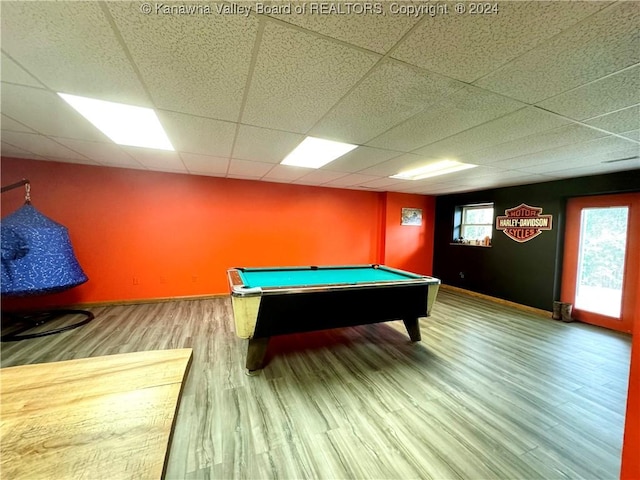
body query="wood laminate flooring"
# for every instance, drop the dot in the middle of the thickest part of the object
(490, 392)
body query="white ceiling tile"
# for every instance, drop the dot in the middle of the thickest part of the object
(579, 154)
(244, 177)
(522, 123)
(475, 175)
(384, 182)
(205, 164)
(525, 161)
(46, 113)
(11, 125)
(299, 76)
(194, 64)
(161, 160)
(633, 135)
(392, 93)
(351, 180)
(625, 120)
(71, 48)
(469, 46)
(41, 145)
(78, 160)
(547, 140)
(9, 150)
(448, 187)
(595, 169)
(521, 178)
(285, 173)
(481, 177)
(439, 189)
(264, 145)
(108, 154)
(413, 188)
(443, 190)
(374, 31)
(325, 75)
(274, 180)
(13, 73)
(318, 177)
(191, 134)
(360, 159)
(462, 177)
(599, 45)
(629, 153)
(609, 94)
(466, 108)
(249, 168)
(406, 161)
(425, 188)
(364, 188)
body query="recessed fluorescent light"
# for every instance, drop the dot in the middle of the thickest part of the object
(433, 170)
(316, 152)
(124, 124)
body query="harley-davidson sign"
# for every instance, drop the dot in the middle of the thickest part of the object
(522, 223)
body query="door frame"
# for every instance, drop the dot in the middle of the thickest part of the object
(632, 258)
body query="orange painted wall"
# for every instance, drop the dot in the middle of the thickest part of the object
(631, 446)
(144, 235)
(405, 245)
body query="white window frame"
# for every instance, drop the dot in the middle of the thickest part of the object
(481, 206)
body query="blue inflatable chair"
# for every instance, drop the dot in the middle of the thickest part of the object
(37, 259)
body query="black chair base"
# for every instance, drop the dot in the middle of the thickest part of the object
(29, 320)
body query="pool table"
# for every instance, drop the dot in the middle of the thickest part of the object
(280, 301)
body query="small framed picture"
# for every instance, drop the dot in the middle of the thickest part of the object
(411, 216)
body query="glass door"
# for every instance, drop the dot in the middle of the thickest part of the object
(600, 269)
(601, 260)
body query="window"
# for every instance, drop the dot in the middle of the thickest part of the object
(474, 224)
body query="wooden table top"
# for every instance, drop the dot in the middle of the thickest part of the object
(102, 417)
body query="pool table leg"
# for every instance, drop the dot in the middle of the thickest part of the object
(413, 329)
(256, 353)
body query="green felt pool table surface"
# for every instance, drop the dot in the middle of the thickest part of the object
(309, 276)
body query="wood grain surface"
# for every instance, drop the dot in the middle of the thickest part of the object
(491, 392)
(103, 417)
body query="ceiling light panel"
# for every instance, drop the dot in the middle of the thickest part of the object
(433, 170)
(315, 152)
(124, 124)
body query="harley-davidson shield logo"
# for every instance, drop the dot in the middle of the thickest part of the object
(522, 223)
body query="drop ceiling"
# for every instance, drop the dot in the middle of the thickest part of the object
(534, 92)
